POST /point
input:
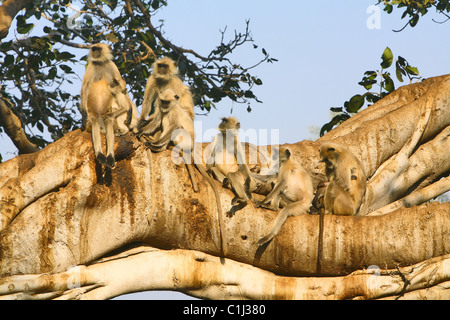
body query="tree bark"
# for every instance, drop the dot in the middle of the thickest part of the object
(59, 210)
(13, 128)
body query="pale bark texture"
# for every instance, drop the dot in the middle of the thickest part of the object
(70, 231)
(13, 128)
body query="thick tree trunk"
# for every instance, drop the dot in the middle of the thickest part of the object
(58, 210)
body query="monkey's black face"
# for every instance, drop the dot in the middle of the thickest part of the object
(165, 105)
(96, 51)
(163, 68)
(329, 163)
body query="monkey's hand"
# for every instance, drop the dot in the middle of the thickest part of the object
(143, 123)
(236, 201)
(260, 204)
(257, 204)
(226, 183)
(322, 184)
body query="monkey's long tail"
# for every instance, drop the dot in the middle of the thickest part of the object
(205, 175)
(320, 244)
(293, 209)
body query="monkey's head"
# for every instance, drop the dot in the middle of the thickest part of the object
(329, 154)
(164, 68)
(166, 100)
(230, 123)
(100, 53)
(284, 155)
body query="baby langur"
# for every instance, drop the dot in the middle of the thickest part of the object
(293, 191)
(177, 132)
(164, 76)
(346, 180)
(105, 103)
(226, 160)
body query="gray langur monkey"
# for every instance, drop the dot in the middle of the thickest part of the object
(346, 184)
(164, 76)
(105, 103)
(344, 189)
(226, 161)
(293, 191)
(176, 131)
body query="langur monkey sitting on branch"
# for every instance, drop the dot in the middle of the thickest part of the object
(226, 160)
(346, 184)
(344, 189)
(176, 131)
(105, 103)
(164, 76)
(293, 191)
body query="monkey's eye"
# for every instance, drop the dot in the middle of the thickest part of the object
(96, 49)
(162, 65)
(165, 101)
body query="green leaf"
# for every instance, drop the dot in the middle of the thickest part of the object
(52, 73)
(338, 119)
(40, 127)
(388, 8)
(66, 56)
(372, 97)
(355, 103)
(24, 28)
(412, 70)
(388, 84)
(398, 73)
(371, 74)
(401, 61)
(399, 70)
(66, 68)
(6, 45)
(9, 60)
(258, 82)
(367, 84)
(249, 94)
(387, 58)
(414, 20)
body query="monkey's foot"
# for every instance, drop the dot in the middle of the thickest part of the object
(121, 132)
(143, 123)
(101, 158)
(238, 201)
(226, 183)
(258, 204)
(110, 161)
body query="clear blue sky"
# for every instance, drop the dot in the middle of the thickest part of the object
(323, 51)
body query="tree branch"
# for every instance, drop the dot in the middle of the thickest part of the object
(205, 276)
(416, 198)
(13, 128)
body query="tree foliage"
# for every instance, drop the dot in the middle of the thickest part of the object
(41, 61)
(381, 78)
(413, 10)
